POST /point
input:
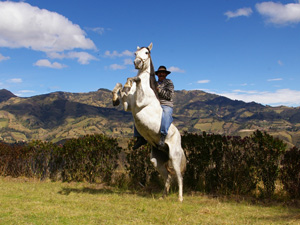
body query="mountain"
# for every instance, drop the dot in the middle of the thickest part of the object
(5, 95)
(62, 115)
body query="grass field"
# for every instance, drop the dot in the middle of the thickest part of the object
(27, 201)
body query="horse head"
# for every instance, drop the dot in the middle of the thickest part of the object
(143, 61)
(142, 57)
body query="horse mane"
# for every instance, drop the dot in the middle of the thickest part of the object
(153, 83)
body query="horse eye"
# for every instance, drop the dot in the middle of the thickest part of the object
(147, 53)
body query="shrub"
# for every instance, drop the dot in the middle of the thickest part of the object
(14, 160)
(267, 153)
(197, 148)
(290, 172)
(236, 170)
(218, 164)
(44, 159)
(89, 158)
(140, 169)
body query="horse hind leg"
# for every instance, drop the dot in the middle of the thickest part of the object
(159, 160)
(177, 168)
(168, 181)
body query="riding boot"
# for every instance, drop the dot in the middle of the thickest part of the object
(161, 142)
(139, 142)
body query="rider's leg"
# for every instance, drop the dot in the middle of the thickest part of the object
(166, 121)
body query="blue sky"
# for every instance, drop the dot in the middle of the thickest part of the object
(247, 50)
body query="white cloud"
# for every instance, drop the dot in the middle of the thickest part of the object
(278, 13)
(15, 80)
(239, 12)
(203, 81)
(82, 57)
(2, 58)
(280, 62)
(285, 97)
(176, 69)
(24, 92)
(117, 67)
(117, 54)
(128, 62)
(98, 30)
(23, 25)
(47, 63)
(275, 79)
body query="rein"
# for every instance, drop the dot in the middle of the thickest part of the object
(144, 60)
(153, 84)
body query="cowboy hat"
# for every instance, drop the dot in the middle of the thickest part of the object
(162, 69)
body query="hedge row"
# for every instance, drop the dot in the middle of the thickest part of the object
(90, 158)
(216, 163)
(229, 165)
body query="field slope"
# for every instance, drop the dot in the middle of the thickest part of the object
(24, 201)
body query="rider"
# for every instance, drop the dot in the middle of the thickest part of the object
(165, 89)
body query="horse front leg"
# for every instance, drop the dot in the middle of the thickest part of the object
(129, 83)
(115, 93)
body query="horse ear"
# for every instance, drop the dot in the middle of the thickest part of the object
(150, 46)
(138, 48)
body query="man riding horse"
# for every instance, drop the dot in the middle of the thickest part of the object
(165, 89)
(147, 99)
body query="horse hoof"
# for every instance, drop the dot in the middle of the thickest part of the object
(117, 102)
(180, 199)
(154, 162)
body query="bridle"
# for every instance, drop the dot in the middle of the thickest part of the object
(144, 60)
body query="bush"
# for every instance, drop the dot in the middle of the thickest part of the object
(140, 169)
(89, 158)
(290, 172)
(267, 154)
(44, 159)
(197, 149)
(237, 173)
(14, 160)
(84, 159)
(218, 164)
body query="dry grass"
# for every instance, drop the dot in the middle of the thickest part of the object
(26, 201)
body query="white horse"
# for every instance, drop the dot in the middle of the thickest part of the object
(139, 96)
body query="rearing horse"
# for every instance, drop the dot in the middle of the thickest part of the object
(140, 97)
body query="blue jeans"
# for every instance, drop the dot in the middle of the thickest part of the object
(166, 121)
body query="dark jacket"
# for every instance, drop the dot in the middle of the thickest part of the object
(166, 92)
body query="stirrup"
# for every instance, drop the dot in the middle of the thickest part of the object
(139, 142)
(161, 142)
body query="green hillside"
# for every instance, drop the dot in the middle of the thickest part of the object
(61, 115)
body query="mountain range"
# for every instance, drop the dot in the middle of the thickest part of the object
(62, 115)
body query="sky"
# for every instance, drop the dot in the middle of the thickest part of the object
(242, 49)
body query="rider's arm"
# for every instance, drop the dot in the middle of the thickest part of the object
(166, 90)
